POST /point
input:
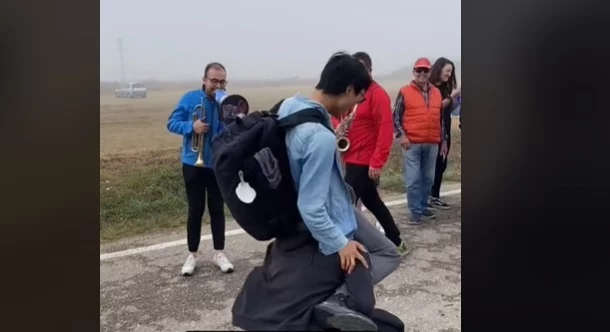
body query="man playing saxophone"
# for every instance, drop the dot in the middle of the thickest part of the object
(197, 119)
(364, 137)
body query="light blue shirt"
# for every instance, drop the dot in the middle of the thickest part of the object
(323, 199)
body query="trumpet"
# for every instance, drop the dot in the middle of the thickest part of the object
(343, 143)
(198, 139)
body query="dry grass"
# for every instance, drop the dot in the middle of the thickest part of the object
(393, 180)
(128, 126)
(141, 186)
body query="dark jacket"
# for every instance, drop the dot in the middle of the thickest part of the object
(281, 294)
(295, 277)
(446, 112)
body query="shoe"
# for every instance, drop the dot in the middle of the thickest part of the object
(223, 263)
(335, 314)
(414, 220)
(190, 265)
(403, 250)
(436, 203)
(428, 215)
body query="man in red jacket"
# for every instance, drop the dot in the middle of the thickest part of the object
(371, 134)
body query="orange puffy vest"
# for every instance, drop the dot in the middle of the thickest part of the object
(421, 121)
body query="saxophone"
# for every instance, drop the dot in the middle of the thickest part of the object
(342, 131)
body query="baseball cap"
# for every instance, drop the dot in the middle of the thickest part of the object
(422, 63)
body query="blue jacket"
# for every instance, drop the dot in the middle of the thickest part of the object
(323, 199)
(181, 122)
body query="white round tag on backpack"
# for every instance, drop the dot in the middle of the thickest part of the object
(244, 192)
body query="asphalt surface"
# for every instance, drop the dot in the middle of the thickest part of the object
(145, 292)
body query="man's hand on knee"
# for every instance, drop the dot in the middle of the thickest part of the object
(350, 254)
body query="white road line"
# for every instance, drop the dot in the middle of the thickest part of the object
(232, 232)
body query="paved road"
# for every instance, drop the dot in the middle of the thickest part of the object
(145, 292)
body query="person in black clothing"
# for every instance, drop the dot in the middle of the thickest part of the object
(442, 75)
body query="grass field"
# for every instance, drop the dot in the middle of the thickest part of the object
(141, 188)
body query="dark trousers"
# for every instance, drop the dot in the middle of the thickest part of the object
(199, 181)
(365, 189)
(441, 166)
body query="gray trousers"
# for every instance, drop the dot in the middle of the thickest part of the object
(383, 253)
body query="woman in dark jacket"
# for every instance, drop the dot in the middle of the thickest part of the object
(442, 75)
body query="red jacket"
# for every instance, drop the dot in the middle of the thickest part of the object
(371, 133)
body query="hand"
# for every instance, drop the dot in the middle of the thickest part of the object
(349, 254)
(200, 127)
(374, 173)
(404, 142)
(444, 150)
(456, 93)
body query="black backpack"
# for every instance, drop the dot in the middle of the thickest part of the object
(255, 148)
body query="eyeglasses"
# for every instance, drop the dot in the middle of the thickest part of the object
(422, 70)
(216, 81)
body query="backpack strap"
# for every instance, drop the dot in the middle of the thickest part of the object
(303, 116)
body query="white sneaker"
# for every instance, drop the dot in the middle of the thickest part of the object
(223, 263)
(189, 266)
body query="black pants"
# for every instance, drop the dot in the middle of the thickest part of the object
(441, 166)
(365, 189)
(197, 181)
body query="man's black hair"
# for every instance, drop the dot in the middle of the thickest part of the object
(341, 71)
(436, 70)
(365, 58)
(213, 65)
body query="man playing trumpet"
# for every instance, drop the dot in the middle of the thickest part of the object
(197, 119)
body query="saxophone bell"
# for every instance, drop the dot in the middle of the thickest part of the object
(343, 144)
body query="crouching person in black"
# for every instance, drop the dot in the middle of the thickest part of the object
(287, 292)
(322, 277)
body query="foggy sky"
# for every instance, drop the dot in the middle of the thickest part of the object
(270, 39)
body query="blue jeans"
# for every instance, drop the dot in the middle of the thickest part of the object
(420, 163)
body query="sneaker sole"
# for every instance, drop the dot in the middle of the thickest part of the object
(231, 270)
(346, 321)
(429, 217)
(441, 207)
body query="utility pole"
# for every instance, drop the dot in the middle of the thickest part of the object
(121, 55)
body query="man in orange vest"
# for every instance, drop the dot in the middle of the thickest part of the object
(417, 124)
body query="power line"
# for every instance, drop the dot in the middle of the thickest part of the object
(122, 57)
